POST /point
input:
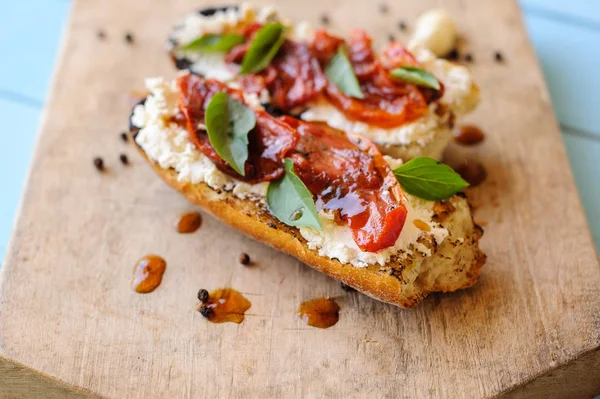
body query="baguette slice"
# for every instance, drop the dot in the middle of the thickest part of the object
(403, 281)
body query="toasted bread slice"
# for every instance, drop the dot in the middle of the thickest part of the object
(404, 277)
(454, 264)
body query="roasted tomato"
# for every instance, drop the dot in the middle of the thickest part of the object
(387, 102)
(347, 175)
(269, 141)
(350, 178)
(293, 78)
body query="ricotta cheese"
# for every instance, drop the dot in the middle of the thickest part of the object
(168, 144)
(336, 242)
(302, 32)
(420, 131)
(209, 65)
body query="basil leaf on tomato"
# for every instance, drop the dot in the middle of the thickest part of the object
(289, 200)
(339, 71)
(228, 123)
(416, 76)
(211, 42)
(263, 48)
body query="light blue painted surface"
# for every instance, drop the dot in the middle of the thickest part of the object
(14, 159)
(570, 57)
(565, 34)
(576, 12)
(30, 34)
(584, 155)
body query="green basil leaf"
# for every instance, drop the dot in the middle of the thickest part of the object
(429, 179)
(416, 76)
(263, 48)
(213, 42)
(290, 201)
(228, 122)
(339, 71)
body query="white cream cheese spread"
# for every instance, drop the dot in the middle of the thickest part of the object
(418, 131)
(336, 242)
(168, 144)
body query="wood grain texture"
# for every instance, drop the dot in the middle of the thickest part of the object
(66, 308)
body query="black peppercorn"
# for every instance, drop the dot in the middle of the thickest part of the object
(203, 295)
(124, 137)
(99, 163)
(100, 34)
(347, 288)
(124, 159)
(498, 56)
(469, 57)
(391, 38)
(402, 25)
(244, 259)
(205, 311)
(272, 110)
(325, 19)
(129, 37)
(383, 8)
(453, 55)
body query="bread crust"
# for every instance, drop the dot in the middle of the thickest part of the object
(399, 284)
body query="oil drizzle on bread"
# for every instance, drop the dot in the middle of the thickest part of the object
(319, 312)
(189, 222)
(225, 305)
(147, 273)
(468, 135)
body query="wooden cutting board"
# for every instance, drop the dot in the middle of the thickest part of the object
(530, 327)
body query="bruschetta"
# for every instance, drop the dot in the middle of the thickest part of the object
(328, 198)
(405, 113)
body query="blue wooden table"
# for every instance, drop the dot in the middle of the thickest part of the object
(565, 36)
